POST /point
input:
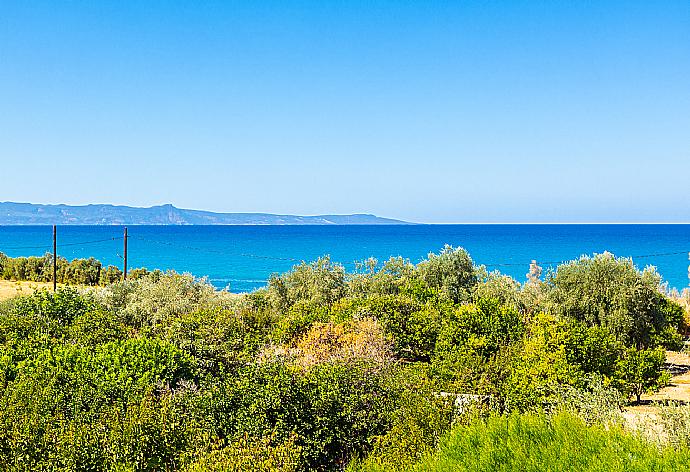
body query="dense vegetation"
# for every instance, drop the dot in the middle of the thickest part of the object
(324, 370)
(535, 443)
(88, 272)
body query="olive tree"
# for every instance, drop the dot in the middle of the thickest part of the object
(611, 292)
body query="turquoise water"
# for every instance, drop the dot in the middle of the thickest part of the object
(243, 257)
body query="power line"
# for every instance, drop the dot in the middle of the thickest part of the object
(565, 261)
(292, 259)
(92, 242)
(216, 251)
(661, 254)
(81, 243)
(18, 248)
(296, 260)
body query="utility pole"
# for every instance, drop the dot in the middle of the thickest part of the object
(54, 258)
(125, 258)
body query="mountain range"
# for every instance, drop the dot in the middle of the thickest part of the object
(37, 214)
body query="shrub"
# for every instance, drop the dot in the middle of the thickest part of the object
(297, 319)
(110, 275)
(483, 327)
(156, 298)
(539, 366)
(592, 349)
(219, 337)
(412, 326)
(451, 272)
(350, 342)
(259, 455)
(611, 292)
(62, 306)
(469, 342)
(394, 274)
(421, 417)
(95, 327)
(502, 288)
(334, 408)
(641, 371)
(674, 421)
(534, 443)
(321, 282)
(596, 403)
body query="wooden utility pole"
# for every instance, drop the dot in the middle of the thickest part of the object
(54, 258)
(125, 255)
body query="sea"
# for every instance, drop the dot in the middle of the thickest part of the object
(242, 258)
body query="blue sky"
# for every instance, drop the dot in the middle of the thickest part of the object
(463, 111)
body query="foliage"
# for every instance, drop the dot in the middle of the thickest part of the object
(482, 327)
(349, 342)
(469, 343)
(390, 279)
(536, 443)
(540, 366)
(297, 319)
(88, 272)
(421, 417)
(156, 298)
(335, 409)
(218, 337)
(641, 371)
(593, 349)
(247, 453)
(321, 282)
(501, 288)
(413, 326)
(62, 306)
(162, 372)
(597, 403)
(610, 292)
(675, 423)
(451, 272)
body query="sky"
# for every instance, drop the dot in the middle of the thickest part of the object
(428, 111)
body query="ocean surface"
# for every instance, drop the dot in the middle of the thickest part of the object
(242, 258)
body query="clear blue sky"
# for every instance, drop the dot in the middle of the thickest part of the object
(459, 111)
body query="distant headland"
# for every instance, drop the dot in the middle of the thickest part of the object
(37, 214)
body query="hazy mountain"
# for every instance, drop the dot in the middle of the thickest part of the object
(33, 214)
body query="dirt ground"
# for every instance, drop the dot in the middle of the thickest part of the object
(9, 289)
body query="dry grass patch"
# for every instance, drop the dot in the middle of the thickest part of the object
(10, 289)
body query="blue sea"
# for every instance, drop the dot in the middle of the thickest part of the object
(242, 258)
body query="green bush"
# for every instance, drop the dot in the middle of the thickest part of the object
(535, 443)
(321, 282)
(502, 288)
(412, 325)
(335, 409)
(539, 366)
(157, 298)
(471, 346)
(297, 319)
(421, 417)
(219, 337)
(62, 306)
(610, 292)
(593, 349)
(161, 372)
(259, 455)
(641, 371)
(451, 272)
